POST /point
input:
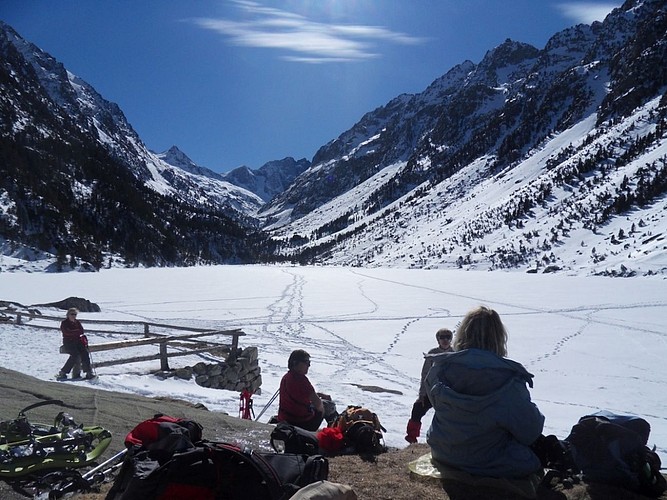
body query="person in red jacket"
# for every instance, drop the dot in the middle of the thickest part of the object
(75, 344)
(300, 405)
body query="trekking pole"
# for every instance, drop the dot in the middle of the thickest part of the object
(92, 472)
(273, 398)
(101, 475)
(87, 477)
(92, 366)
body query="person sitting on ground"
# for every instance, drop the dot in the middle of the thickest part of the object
(75, 344)
(423, 404)
(300, 405)
(485, 421)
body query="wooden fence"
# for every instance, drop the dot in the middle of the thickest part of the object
(163, 340)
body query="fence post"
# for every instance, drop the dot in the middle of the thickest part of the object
(234, 350)
(164, 361)
(18, 318)
(146, 330)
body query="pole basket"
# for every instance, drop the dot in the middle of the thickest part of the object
(246, 411)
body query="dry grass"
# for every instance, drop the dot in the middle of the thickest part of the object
(386, 477)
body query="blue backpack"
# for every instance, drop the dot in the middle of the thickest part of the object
(611, 449)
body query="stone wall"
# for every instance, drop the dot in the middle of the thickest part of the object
(240, 371)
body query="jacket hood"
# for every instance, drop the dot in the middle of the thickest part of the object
(475, 377)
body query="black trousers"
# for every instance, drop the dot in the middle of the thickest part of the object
(310, 425)
(77, 353)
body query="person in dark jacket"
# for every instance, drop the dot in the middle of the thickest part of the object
(75, 344)
(485, 421)
(423, 404)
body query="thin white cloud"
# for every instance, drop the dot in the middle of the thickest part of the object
(586, 12)
(301, 39)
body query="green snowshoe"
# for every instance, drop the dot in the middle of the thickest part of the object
(28, 447)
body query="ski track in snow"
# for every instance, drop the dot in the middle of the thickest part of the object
(351, 348)
(435, 314)
(570, 313)
(287, 322)
(286, 326)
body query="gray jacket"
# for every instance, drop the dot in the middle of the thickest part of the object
(484, 419)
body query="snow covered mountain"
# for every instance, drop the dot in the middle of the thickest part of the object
(177, 158)
(270, 179)
(540, 160)
(551, 159)
(218, 189)
(77, 182)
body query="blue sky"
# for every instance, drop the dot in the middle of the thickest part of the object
(236, 82)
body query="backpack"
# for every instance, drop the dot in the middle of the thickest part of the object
(609, 448)
(361, 429)
(288, 438)
(162, 427)
(169, 468)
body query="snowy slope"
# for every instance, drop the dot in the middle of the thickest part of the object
(536, 160)
(462, 220)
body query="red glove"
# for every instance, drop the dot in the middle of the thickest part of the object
(84, 340)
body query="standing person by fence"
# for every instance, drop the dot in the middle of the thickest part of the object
(75, 344)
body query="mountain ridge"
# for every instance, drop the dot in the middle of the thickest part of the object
(517, 102)
(80, 189)
(579, 127)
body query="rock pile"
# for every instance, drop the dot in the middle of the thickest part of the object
(240, 371)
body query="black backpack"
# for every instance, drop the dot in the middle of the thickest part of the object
(288, 438)
(609, 448)
(210, 470)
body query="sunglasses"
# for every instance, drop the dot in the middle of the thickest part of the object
(72, 314)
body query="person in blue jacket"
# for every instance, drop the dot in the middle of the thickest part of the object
(485, 421)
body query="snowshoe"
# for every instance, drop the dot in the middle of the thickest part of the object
(89, 377)
(28, 447)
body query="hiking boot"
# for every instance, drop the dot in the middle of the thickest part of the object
(89, 375)
(412, 432)
(61, 376)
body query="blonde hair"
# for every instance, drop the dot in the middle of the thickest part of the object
(482, 329)
(72, 310)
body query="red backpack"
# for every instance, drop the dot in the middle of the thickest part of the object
(161, 427)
